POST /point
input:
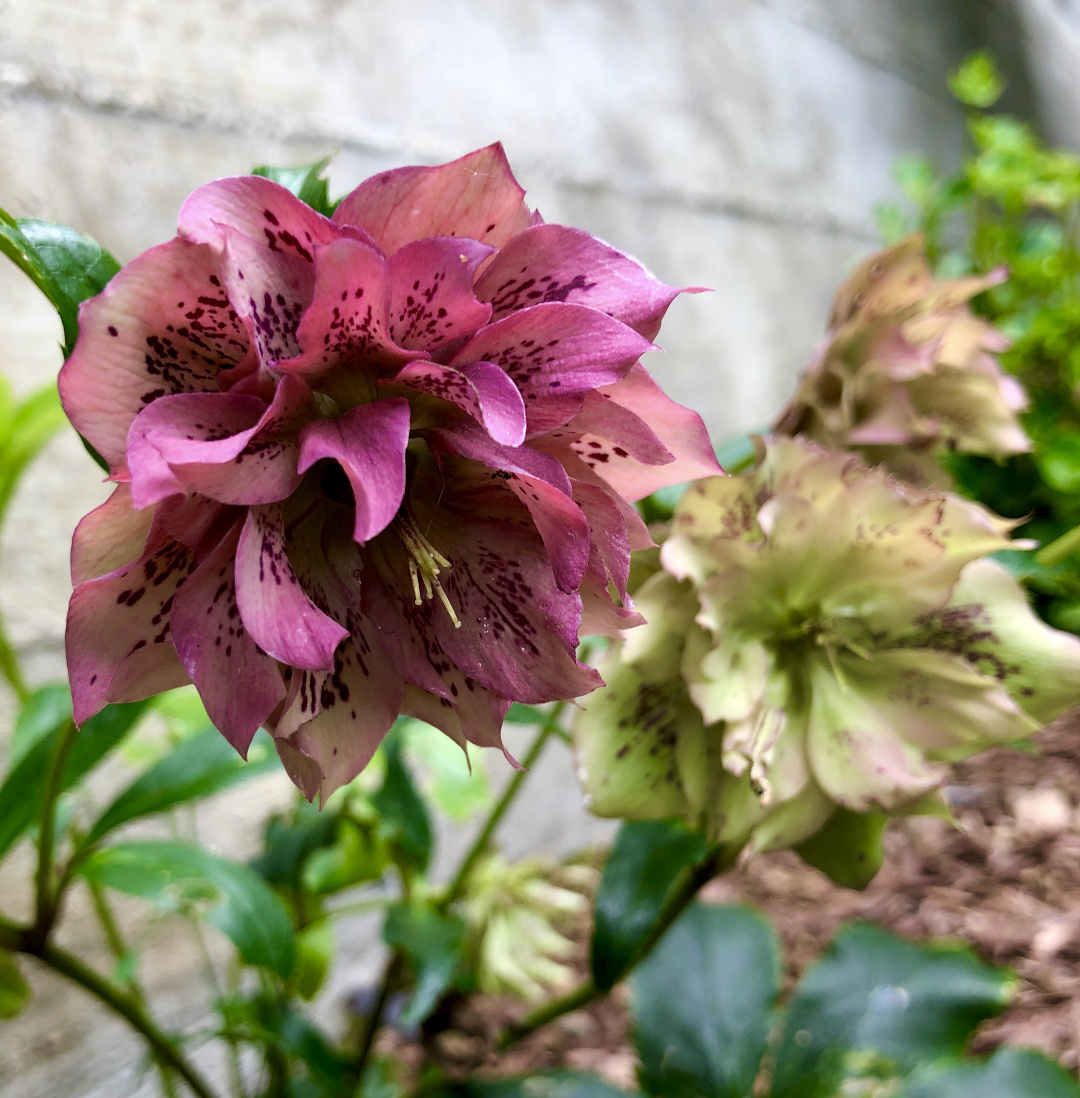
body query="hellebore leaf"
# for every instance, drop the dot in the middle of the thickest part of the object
(314, 956)
(32, 424)
(703, 1003)
(305, 182)
(544, 1084)
(14, 990)
(848, 848)
(435, 945)
(46, 709)
(460, 790)
(289, 842)
(196, 768)
(403, 809)
(1009, 1073)
(174, 874)
(646, 859)
(875, 993)
(24, 787)
(358, 854)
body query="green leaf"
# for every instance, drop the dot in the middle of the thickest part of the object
(519, 713)
(875, 993)
(66, 265)
(460, 789)
(305, 182)
(34, 422)
(14, 990)
(434, 944)
(402, 808)
(289, 842)
(543, 1084)
(849, 848)
(646, 860)
(1009, 1073)
(196, 768)
(314, 956)
(703, 1001)
(302, 1040)
(45, 710)
(23, 791)
(173, 875)
(977, 81)
(357, 855)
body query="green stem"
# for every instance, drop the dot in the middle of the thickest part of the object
(48, 899)
(720, 858)
(371, 1026)
(1059, 548)
(120, 1002)
(513, 787)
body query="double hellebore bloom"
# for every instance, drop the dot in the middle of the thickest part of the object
(906, 370)
(366, 465)
(821, 635)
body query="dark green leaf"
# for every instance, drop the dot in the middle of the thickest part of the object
(305, 182)
(703, 1001)
(403, 810)
(1009, 1073)
(434, 943)
(23, 791)
(14, 990)
(357, 855)
(302, 1040)
(314, 955)
(176, 874)
(289, 842)
(196, 768)
(33, 423)
(543, 1084)
(646, 860)
(525, 714)
(45, 710)
(849, 848)
(875, 993)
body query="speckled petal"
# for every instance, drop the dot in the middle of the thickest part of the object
(109, 537)
(239, 684)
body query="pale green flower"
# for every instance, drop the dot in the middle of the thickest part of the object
(819, 635)
(906, 370)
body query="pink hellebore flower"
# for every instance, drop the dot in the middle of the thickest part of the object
(365, 465)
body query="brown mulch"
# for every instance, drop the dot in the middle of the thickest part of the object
(1007, 881)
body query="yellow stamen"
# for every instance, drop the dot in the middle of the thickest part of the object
(426, 563)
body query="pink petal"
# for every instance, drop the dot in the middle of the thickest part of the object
(475, 715)
(109, 537)
(557, 263)
(274, 608)
(239, 684)
(679, 429)
(338, 718)
(197, 522)
(481, 388)
(607, 527)
(118, 643)
(475, 196)
(162, 325)
(368, 443)
(432, 302)
(600, 617)
(348, 320)
(258, 208)
(554, 354)
(604, 418)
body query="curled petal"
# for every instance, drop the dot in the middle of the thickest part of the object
(163, 325)
(558, 263)
(109, 537)
(368, 443)
(118, 629)
(239, 684)
(275, 609)
(475, 196)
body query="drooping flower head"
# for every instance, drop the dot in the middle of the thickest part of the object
(365, 465)
(907, 369)
(820, 635)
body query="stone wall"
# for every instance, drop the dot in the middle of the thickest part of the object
(737, 144)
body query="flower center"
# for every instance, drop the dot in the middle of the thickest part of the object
(425, 564)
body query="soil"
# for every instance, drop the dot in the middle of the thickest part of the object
(1006, 880)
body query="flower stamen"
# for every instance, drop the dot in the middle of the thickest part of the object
(426, 564)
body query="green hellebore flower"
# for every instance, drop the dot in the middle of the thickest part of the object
(820, 636)
(906, 368)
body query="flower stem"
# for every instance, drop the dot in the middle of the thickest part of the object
(1059, 548)
(119, 1001)
(48, 898)
(718, 859)
(513, 787)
